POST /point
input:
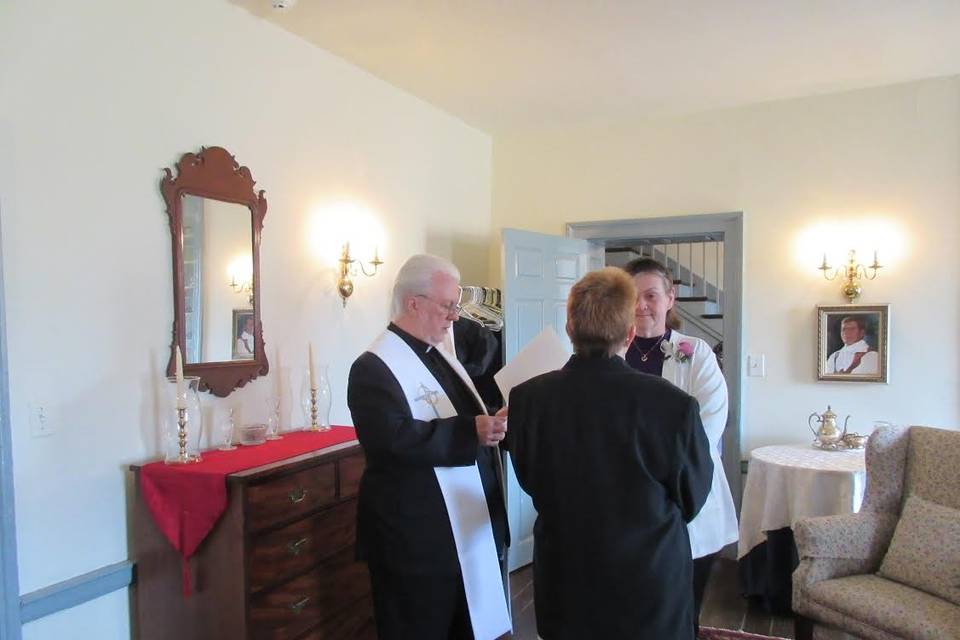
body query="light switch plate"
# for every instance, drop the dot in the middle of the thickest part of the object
(757, 365)
(41, 424)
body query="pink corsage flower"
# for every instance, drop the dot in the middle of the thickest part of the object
(682, 351)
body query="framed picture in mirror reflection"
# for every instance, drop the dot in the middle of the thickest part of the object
(243, 328)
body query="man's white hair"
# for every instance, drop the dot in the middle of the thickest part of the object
(414, 279)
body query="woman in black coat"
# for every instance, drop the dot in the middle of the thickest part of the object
(617, 462)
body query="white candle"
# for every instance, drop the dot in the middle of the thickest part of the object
(312, 369)
(181, 404)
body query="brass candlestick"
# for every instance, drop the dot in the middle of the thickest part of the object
(313, 410)
(182, 422)
(182, 434)
(183, 457)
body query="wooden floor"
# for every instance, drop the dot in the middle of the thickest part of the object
(723, 607)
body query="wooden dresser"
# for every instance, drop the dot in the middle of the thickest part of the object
(278, 565)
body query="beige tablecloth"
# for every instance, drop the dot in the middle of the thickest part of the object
(786, 483)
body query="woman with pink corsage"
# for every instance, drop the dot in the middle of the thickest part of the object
(689, 363)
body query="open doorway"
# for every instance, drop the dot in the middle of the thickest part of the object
(696, 263)
(705, 253)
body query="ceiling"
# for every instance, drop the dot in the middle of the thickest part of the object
(504, 65)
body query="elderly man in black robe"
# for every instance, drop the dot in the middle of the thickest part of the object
(431, 523)
(617, 462)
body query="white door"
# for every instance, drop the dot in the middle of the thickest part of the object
(538, 272)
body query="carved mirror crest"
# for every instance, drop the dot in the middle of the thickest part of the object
(216, 218)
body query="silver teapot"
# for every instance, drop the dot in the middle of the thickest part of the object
(828, 435)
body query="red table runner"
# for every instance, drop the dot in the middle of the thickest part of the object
(186, 500)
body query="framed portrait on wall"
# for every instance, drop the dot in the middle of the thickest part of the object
(853, 342)
(243, 325)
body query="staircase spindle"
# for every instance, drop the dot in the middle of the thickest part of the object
(703, 264)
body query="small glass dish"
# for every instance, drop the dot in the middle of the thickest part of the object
(251, 434)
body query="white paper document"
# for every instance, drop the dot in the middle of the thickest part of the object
(544, 353)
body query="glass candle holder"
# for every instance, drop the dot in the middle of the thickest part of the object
(227, 430)
(273, 417)
(182, 421)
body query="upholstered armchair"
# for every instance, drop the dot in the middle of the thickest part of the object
(892, 570)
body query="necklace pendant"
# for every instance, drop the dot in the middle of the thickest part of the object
(643, 357)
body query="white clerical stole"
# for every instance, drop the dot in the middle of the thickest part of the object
(461, 487)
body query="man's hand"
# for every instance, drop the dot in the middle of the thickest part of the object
(491, 429)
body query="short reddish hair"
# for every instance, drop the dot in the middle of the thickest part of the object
(600, 311)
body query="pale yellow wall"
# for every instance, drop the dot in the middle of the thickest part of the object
(96, 97)
(889, 154)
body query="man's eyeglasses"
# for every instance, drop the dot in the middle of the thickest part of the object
(452, 308)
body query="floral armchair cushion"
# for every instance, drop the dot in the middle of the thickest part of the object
(925, 550)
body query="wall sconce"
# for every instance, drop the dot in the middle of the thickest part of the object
(240, 271)
(348, 268)
(852, 273)
(242, 286)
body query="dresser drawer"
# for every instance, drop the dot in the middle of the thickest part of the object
(319, 596)
(351, 470)
(355, 622)
(290, 496)
(284, 552)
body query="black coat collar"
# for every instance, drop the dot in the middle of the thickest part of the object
(596, 363)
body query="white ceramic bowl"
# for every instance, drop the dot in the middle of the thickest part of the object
(253, 434)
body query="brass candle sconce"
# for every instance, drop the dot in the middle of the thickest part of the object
(242, 286)
(348, 269)
(851, 273)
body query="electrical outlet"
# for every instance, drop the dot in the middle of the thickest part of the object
(41, 425)
(757, 365)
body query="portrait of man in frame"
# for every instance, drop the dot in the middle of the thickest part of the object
(852, 342)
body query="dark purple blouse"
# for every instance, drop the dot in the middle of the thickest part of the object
(650, 347)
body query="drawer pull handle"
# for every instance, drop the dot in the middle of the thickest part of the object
(297, 495)
(298, 606)
(297, 546)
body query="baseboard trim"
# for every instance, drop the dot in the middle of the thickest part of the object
(77, 590)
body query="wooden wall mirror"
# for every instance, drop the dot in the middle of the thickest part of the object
(215, 222)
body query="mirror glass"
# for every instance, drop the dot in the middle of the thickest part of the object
(218, 292)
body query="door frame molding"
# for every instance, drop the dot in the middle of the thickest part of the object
(730, 224)
(10, 626)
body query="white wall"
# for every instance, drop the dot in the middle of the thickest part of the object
(891, 154)
(96, 98)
